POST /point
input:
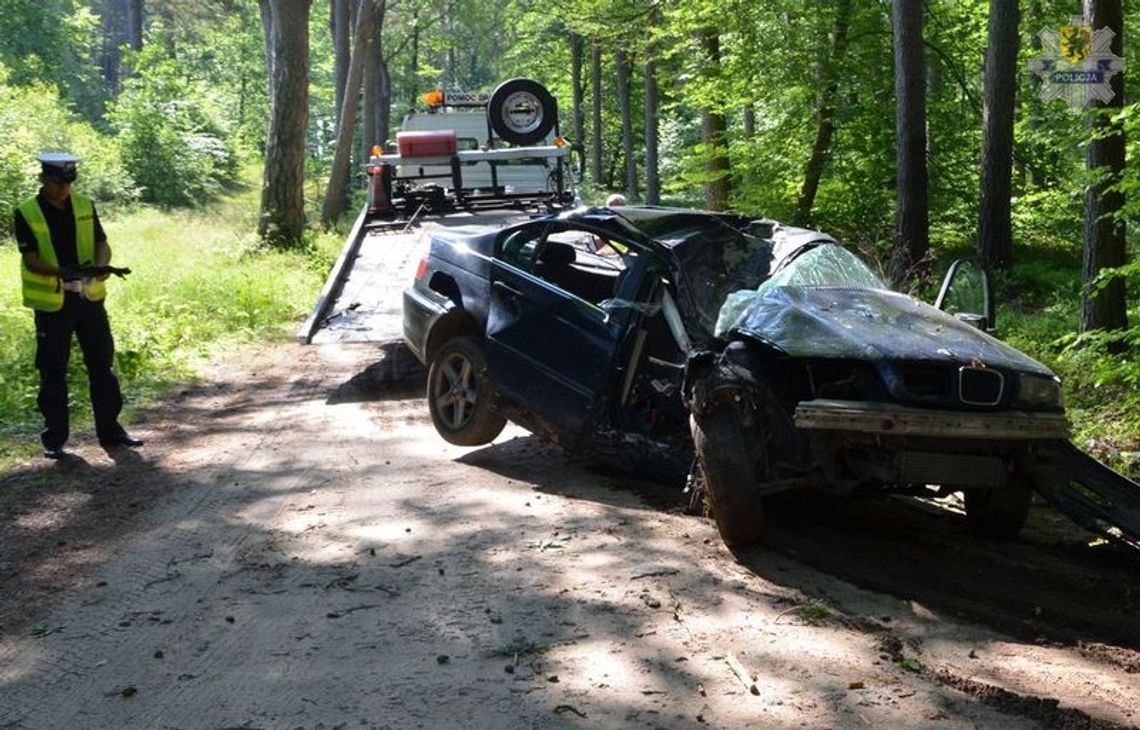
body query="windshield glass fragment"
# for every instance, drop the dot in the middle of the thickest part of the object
(827, 265)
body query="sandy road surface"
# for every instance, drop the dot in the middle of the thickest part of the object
(295, 548)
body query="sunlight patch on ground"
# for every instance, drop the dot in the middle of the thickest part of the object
(603, 667)
(381, 533)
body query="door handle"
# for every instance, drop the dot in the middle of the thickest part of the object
(509, 295)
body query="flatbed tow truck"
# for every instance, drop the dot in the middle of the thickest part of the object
(428, 183)
(472, 162)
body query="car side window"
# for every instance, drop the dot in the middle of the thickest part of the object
(576, 239)
(595, 252)
(567, 260)
(520, 247)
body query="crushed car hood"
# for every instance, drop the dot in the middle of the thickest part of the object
(871, 324)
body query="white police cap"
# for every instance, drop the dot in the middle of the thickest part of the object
(61, 165)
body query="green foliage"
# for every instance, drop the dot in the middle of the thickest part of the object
(17, 339)
(1102, 388)
(322, 111)
(224, 57)
(1038, 312)
(172, 134)
(53, 43)
(1049, 217)
(33, 119)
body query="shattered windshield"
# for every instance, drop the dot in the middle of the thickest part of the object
(828, 265)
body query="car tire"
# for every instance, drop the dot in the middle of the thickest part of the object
(999, 513)
(459, 395)
(727, 466)
(521, 111)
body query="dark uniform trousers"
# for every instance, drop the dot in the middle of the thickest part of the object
(88, 321)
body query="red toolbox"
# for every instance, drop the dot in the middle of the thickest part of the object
(434, 143)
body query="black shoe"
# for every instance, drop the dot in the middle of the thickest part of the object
(123, 439)
(55, 452)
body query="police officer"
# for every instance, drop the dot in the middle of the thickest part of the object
(58, 232)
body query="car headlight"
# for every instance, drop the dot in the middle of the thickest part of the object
(1036, 391)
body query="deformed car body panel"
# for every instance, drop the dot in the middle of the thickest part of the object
(871, 324)
(531, 328)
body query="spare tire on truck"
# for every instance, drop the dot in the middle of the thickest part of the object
(521, 112)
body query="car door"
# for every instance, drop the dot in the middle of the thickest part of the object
(549, 350)
(965, 294)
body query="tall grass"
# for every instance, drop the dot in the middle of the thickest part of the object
(200, 285)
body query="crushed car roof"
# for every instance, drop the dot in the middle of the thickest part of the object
(669, 227)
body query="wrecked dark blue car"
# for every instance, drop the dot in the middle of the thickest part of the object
(755, 357)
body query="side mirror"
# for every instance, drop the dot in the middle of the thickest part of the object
(965, 294)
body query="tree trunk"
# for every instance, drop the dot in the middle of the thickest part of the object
(371, 83)
(579, 118)
(749, 121)
(372, 134)
(384, 102)
(596, 114)
(336, 194)
(1104, 244)
(116, 32)
(282, 219)
(713, 133)
(341, 28)
(135, 22)
(652, 101)
(825, 115)
(995, 229)
(912, 233)
(621, 63)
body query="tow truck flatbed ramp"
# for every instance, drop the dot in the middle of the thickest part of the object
(362, 300)
(1096, 497)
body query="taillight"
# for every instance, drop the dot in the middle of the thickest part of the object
(421, 270)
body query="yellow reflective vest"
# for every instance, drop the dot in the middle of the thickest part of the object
(45, 293)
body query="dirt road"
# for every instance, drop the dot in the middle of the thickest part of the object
(296, 548)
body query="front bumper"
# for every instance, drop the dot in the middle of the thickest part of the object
(889, 419)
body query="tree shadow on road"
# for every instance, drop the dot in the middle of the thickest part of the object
(1036, 587)
(396, 375)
